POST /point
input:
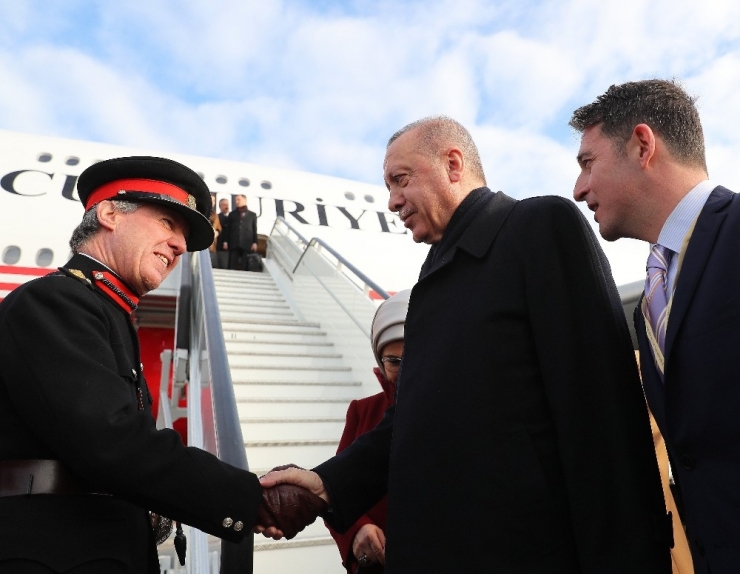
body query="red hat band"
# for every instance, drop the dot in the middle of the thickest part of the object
(119, 187)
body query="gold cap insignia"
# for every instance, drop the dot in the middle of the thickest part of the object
(191, 202)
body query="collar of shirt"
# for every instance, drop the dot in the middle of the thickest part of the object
(680, 221)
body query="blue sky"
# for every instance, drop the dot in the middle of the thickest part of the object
(319, 86)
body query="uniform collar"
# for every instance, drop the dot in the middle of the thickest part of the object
(104, 280)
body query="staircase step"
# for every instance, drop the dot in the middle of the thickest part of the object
(299, 374)
(289, 430)
(252, 390)
(258, 314)
(255, 324)
(305, 455)
(315, 339)
(269, 346)
(291, 407)
(286, 361)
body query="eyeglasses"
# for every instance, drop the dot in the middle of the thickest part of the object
(391, 363)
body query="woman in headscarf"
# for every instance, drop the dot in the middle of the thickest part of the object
(386, 338)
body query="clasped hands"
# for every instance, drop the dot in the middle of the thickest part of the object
(292, 498)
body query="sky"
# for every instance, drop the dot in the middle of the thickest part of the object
(319, 86)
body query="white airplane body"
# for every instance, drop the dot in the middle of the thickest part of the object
(39, 207)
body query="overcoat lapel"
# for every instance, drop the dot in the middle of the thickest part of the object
(697, 254)
(480, 235)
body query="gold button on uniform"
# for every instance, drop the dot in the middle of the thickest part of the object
(227, 522)
(238, 525)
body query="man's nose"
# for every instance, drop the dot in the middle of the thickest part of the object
(178, 244)
(580, 189)
(395, 202)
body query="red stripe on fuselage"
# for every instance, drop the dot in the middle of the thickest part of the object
(37, 271)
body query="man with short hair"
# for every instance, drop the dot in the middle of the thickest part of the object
(241, 238)
(222, 253)
(519, 441)
(81, 459)
(644, 175)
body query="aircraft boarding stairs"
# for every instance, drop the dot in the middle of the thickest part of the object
(292, 349)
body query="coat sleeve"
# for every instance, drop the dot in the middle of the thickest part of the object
(344, 540)
(593, 389)
(79, 402)
(357, 478)
(254, 228)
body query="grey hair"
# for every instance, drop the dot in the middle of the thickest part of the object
(436, 132)
(90, 225)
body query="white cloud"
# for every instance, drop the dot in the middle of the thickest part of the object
(321, 89)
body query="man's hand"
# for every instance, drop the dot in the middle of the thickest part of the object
(291, 500)
(254, 247)
(288, 509)
(369, 542)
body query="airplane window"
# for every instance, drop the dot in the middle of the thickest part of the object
(72, 160)
(369, 198)
(349, 195)
(244, 182)
(266, 185)
(221, 179)
(44, 257)
(11, 254)
(44, 157)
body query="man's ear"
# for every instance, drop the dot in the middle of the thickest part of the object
(455, 164)
(108, 215)
(642, 144)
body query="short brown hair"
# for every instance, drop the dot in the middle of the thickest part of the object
(661, 104)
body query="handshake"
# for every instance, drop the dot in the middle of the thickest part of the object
(292, 498)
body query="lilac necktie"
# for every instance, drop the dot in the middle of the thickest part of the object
(656, 292)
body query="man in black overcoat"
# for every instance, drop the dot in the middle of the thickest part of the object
(81, 459)
(520, 440)
(241, 234)
(222, 253)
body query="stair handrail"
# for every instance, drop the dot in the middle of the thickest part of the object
(281, 219)
(343, 261)
(209, 367)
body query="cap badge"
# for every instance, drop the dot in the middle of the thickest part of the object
(191, 202)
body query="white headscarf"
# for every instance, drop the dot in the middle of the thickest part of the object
(388, 323)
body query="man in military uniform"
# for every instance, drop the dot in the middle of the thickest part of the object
(81, 460)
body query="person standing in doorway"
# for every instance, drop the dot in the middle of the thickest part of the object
(241, 234)
(222, 253)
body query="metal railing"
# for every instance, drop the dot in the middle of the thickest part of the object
(213, 420)
(201, 365)
(283, 229)
(326, 288)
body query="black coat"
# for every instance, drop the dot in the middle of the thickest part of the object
(68, 377)
(223, 219)
(697, 407)
(520, 440)
(242, 231)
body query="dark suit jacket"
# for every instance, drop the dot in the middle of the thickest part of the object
(698, 409)
(242, 231)
(520, 440)
(223, 219)
(68, 377)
